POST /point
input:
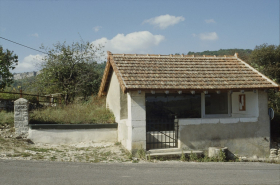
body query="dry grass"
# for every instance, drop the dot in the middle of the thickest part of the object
(6, 118)
(90, 112)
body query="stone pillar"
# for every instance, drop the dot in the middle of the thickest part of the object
(21, 116)
(136, 121)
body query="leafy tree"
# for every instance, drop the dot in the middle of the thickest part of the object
(8, 61)
(266, 59)
(70, 70)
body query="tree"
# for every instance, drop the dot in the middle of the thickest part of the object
(266, 59)
(8, 61)
(70, 70)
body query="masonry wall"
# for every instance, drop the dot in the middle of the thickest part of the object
(113, 101)
(136, 122)
(245, 135)
(72, 136)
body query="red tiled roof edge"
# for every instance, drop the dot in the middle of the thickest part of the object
(105, 75)
(110, 63)
(253, 69)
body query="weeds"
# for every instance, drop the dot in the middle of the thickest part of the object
(183, 156)
(141, 153)
(6, 118)
(93, 111)
(193, 157)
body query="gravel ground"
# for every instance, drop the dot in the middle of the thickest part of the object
(17, 148)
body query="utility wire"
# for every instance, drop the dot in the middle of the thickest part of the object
(24, 45)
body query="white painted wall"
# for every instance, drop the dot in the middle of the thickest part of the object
(59, 136)
(113, 97)
(252, 107)
(136, 122)
(198, 121)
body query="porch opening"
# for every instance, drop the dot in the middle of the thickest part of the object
(162, 111)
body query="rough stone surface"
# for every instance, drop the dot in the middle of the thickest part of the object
(214, 151)
(273, 153)
(21, 116)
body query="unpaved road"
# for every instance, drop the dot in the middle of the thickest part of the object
(41, 172)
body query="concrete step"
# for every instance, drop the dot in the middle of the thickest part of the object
(173, 151)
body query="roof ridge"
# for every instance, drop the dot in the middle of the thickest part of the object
(172, 56)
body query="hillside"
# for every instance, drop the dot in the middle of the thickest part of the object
(242, 53)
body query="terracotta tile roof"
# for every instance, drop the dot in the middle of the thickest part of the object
(182, 72)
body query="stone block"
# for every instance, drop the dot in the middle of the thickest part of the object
(214, 151)
(134, 123)
(229, 120)
(138, 113)
(248, 119)
(195, 121)
(138, 145)
(138, 134)
(138, 101)
(210, 120)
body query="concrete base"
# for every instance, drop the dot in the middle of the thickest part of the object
(51, 136)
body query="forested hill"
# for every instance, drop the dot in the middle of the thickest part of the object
(242, 53)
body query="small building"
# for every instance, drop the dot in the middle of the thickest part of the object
(188, 102)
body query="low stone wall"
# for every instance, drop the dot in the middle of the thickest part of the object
(71, 134)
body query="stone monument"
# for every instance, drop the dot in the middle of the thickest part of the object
(21, 116)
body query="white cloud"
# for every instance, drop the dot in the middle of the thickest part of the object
(207, 36)
(210, 21)
(163, 21)
(35, 35)
(136, 42)
(29, 63)
(97, 28)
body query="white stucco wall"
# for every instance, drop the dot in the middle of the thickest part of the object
(252, 105)
(136, 122)
(242, 135)
(59, 136)
(113, 97)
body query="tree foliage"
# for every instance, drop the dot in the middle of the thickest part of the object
(266, 59)
(8, 61)
(242, 53)
(70, 70)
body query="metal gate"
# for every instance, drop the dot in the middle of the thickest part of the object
(161, 125)
(161, 134)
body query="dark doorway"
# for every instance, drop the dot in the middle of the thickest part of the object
(162, 112)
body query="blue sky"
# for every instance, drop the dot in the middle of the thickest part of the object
(155, 27)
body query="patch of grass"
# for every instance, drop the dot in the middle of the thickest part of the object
(6, 118)
(53, 158)
(39, 149)
(89, 112)
(24, 154)
(117, 143)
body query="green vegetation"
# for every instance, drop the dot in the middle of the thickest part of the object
(242, 53)
(6, 118)
(8, 61)
(71, 70)
(89, 112)
(266, 59)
